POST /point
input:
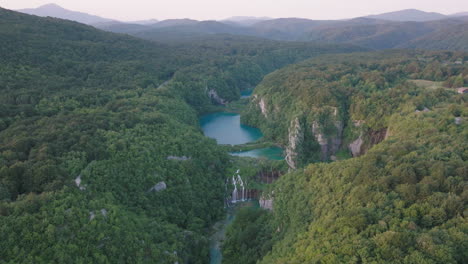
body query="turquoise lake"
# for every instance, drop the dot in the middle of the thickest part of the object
(246, 93)
(227, 130)
(273, 153)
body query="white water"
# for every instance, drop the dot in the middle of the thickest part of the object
(238, 194)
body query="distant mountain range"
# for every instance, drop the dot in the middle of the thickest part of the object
(409, 15)
(245, 20)
(53, 10)
(409, 28)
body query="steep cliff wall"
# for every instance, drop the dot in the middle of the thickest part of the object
(295, 138)
(334, 107)
(367, 139)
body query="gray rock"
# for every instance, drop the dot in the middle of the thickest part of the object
(215, 97)
(355, 146)
(263, 108)
(104, 212)
(158, 187)
(78, 183)
(183, 158)
(295, 138)
(266, 203)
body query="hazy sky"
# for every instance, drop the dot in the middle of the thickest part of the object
(219, 9)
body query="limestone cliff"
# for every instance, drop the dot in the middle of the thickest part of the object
(329, 143)
(295, 138)
(263, 107)
(266, 201)
(366, 139)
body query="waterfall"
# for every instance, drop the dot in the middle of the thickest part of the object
(239, 179)
(234, 192)
(240, 193)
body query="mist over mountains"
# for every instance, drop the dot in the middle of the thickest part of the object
(406, 28)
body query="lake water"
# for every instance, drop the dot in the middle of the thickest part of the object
(273, 153)
(227, 130)
(246, 93)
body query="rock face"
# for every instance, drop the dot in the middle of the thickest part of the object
(366, 140)
(263, 107)
(183, 158)
(266, 203)
(92, 215)
(158, 187)
(104, 212)
(329, 144)
(216, 98)
(298, 132)
(355, 146)
(295, 138)
(78, 183)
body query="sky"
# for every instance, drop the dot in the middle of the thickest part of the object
(128, 10)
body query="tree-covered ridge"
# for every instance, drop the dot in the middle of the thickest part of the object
(335, 99)
(101, 156)
(451, 38)
(83, 107)
(404, 201)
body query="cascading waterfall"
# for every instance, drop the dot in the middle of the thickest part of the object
(238, 195)
(241, 183)
(234, 192)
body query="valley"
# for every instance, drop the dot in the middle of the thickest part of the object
(278, 141)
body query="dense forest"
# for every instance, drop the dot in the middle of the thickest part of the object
(340, 98)
(102, 159)
(101, 156)
(401, 200)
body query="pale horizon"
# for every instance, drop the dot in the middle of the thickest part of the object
(222, 9)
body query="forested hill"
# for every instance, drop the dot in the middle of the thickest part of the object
(86, 140)
(101, 156)
(366, 32)
(396, 130)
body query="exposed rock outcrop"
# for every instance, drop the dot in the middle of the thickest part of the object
(329, 144)
(377, 136)
(183, 158)
(78, 183)
(263, 107)
(366, 140)
(266, 203)
(104, 212)
(295, 138)
(92, 215)
(425, 110)
(355, 146)
(158, 187)
(216, 98)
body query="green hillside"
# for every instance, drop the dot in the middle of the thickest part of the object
(451, 38)
(400, 200)
(101, 156)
